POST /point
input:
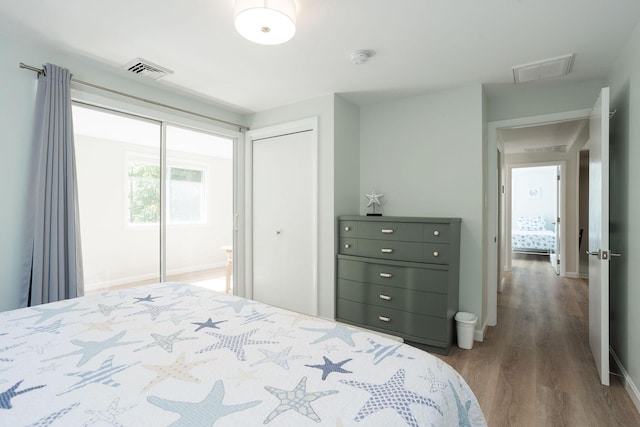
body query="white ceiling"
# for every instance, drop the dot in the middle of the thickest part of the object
(420, 45)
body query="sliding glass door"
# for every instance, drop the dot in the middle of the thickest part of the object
(199, 230)
(156, 202)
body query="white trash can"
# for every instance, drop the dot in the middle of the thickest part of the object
(465, 327)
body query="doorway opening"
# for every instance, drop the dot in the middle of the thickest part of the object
(535, 214)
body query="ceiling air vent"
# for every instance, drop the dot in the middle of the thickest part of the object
(552, 148)
(547, 68)
(146, 69)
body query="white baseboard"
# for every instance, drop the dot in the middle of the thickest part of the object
(629, 386)
(574, 275)
(480, 333)
(141, 277)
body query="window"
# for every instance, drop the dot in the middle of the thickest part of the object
(186, 195)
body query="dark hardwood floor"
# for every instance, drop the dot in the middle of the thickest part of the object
(535, 367)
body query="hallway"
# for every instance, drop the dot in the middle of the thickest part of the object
(535, 367)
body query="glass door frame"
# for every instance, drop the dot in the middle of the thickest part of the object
(116, 105)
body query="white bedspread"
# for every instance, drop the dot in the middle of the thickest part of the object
(180, 355)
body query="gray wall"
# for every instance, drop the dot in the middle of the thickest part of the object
(17, 97)
(425, 154)
(624, 81)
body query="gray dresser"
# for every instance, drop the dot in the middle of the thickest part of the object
(399, 275)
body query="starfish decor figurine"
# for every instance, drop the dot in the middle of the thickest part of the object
(373, 201)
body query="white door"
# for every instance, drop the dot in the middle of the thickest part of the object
(599, 234)
(284, 220)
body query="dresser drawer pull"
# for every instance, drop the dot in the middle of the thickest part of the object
(384, 319)
(436, 253)
(387, 230)
(386, 250)
(435, 233)
(347, 246)
(347, 229)
(386, 275)
(385, 297)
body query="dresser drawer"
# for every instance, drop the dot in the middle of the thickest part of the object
(379, 230)
(348, 246)
(408, 300)
(348, 229)
(434, 253)
(429, 328)
(433, 279)
(436, 233)
(402, 251)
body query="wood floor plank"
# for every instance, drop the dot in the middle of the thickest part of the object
(535, 367)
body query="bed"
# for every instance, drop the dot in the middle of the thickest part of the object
(177, 354)
(531, 235)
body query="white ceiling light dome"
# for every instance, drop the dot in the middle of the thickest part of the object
(266, 22)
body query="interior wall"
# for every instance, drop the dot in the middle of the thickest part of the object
(16, 118)
(624, 80)
(410, 150)
(544, 203)
(512, 102)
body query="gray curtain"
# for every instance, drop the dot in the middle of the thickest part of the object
(56, 264)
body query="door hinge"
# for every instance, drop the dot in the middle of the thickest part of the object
(558, 220)
(558, 261)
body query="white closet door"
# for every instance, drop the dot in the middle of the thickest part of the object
(284, 221)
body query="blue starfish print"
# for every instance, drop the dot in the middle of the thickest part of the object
(463, 410)
(52, 329)
(280, 358)
(7, 395)
(148, 298)
(49, 419)
(208, 324)
(394, 395)
(381, 352)
(297, 399)
(92, 348)
(109, 415)
(165, 341)
(102, 375)
(339, 331)
(155, 310)
(201, 413)
(256, 317)
(47, 313)
(234, 343)
(330, 367)
(237, 305)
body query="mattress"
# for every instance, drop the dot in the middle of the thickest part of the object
(180, 355)
(538, 240)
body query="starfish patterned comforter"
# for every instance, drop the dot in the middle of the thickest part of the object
(180, 355)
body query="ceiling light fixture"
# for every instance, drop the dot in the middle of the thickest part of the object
(267, 22)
